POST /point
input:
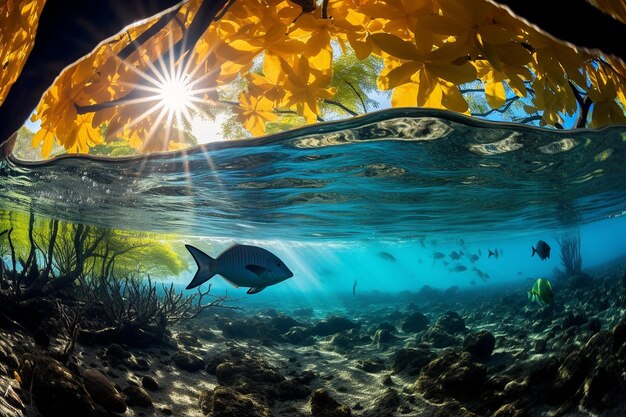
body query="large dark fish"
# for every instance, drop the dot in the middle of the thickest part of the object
(387, 256)
(242, 266)
(542, 249)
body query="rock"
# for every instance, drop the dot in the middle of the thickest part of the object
(572, 319)
(439, 338)
(214, 361)
(541, 346)
(117, 355)
(332, 325)
(570, 375)
(249, 375)
(56, 392)
(103, 391)
(137, 396)
(386, 405)
(188, 340)
(372, 365)
(387, 381)
(345, 342)
(283, 323)
(451, 323)
(384, 337)
(7, 356)
(603, 388)
(323, 405)
(248, 328)
(150, 383)
(452, 374)
(188, 362)
(480, 344)
(594, 325)
(291, 389)
(41, 338)
(226, 402)
(299, 336)
(508, 410)
(386, 326)
(415, 323)
(453, 408)
(411, 360)
(306, 377)
(619, 334)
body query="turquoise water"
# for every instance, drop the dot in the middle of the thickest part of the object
(329, 198)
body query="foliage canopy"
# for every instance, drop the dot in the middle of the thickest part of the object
(277, 63)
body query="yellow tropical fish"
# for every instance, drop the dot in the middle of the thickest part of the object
(541, 292)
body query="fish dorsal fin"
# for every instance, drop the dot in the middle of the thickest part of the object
(255, 290)
(261, 271)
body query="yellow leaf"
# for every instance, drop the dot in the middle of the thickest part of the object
(517, 85)
(404, 95)
(398, 76)
(453, 99)
(395, 46)
(495, 94)
(362, 48)
(457, 74)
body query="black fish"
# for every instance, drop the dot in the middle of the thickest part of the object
(354, 288)
(542, 249)
(387, 256)
(490, 254)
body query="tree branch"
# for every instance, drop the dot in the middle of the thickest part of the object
(148, 33)
(584, 104)
(503, 109)
(358, 95)
(204, 17)
(341, 106)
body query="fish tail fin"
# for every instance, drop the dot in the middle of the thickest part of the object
(206, 267)
(534, 251)
(490, 254)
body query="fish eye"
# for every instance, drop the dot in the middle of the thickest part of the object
(279, 264)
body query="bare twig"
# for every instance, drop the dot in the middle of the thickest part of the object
(341, 106)
(358, 95)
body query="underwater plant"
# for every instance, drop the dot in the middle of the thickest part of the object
(570, 253)
(92, 279)
(131, 309)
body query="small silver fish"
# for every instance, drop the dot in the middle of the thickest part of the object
(240, 265)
